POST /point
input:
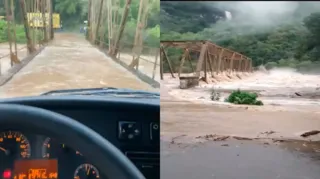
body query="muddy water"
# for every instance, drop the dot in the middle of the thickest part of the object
(190, 112)
(241, 160)
(178, 118)
(69, 62)
(281, 87)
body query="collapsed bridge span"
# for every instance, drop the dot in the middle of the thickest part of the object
(208, 56)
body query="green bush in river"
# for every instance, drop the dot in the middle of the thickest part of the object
(240, 97)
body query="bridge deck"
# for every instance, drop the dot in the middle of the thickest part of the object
(69, 62)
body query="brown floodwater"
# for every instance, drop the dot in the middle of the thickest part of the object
(69, 61)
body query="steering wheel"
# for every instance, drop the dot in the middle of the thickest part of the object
(112, 163)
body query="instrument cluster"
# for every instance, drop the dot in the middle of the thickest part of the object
(37, 151)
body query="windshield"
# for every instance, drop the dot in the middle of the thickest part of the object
(78, 44)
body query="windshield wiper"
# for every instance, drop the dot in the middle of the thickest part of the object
(120, 92)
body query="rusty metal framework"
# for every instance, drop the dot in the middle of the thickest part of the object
(107, 20)
(211, 57)
(27, 6)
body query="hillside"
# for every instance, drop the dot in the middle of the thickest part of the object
(271, 33)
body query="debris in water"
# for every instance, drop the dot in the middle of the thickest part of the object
(307, 134)
(225, 145)
(278, 140)
(268, 132)
(298, 94)
(241, 138)
(221, 138)
(206, 136)
(174, 138)
(213, 137)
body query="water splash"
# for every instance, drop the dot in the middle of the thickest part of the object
(228, 15)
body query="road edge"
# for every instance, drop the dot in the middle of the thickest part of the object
(16, 68)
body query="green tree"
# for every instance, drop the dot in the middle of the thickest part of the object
(71, 11)
(188, 16)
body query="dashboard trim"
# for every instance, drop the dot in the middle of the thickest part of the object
(78, 101)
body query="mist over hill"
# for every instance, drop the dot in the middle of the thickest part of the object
(271, 33)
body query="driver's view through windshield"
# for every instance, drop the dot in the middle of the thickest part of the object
(79, 88)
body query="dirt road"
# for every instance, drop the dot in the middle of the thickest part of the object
(69, 62)
(240, 160)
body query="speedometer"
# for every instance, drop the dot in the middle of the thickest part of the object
(14, 145)
(86, 171)
(53, 149)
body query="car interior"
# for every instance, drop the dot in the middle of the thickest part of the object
(80, 137)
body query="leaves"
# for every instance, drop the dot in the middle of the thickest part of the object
(240, 97)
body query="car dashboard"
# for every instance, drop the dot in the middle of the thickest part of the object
(131, 125)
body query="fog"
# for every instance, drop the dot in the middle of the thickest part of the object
(254, 17)
(267, 13)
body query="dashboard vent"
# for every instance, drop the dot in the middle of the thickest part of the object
(144, 157)
(147, 162)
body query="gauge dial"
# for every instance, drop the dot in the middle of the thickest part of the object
(51, 148)
(14, 144)
(86, 171)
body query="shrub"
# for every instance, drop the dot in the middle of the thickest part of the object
(240, 97)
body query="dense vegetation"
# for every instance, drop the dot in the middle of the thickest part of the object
(241, 97)
(280, 37)
(4, 34)
(74, 12)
